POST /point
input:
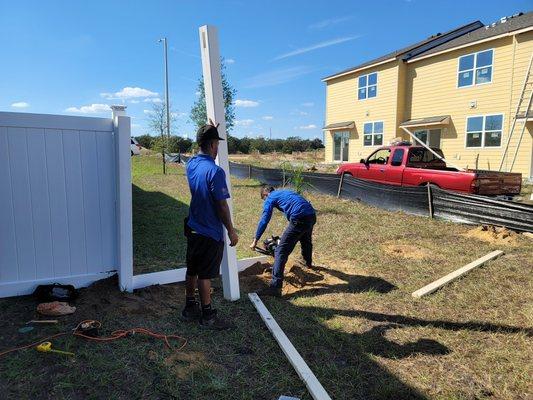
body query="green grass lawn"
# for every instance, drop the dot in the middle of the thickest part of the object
(355, 322)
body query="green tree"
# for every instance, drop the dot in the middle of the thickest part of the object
(145, 141)
(198, 113)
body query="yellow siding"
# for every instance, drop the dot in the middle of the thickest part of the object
(342, 105)
(428, 88)
(431, 89)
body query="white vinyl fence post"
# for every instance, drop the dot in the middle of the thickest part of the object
(122, 134)
(214, 101)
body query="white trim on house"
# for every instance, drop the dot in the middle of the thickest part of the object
(474, 69)
(367, 86)
(373, 134)
(471, 44)
(359, 69)
(483, 131)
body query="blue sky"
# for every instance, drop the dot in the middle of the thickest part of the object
(68, 57)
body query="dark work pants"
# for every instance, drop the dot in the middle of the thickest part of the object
(299, 230)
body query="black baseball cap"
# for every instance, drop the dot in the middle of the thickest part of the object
(207, 132)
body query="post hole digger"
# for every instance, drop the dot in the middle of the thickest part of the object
(270, 245)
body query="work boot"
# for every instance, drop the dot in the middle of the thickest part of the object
(212, 322)
(191, 312)
(271, 291)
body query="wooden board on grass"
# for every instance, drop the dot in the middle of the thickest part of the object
(456, 274)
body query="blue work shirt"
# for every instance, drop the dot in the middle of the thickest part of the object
(289, 203)
(207, 182)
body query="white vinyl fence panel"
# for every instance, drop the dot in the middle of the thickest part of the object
(58, 218)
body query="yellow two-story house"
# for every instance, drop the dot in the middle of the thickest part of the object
(458, 90)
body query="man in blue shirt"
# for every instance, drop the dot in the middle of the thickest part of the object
(302, 218)
(208, 211)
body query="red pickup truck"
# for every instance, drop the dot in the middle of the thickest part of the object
(406, 165)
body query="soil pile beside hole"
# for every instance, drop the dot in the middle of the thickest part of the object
(493, 234)
(406, 251)
(296, 278)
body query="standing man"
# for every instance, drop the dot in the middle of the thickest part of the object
(302, 218)
(208, 211)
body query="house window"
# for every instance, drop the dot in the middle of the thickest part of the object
(430, 137)
(373, 133)
(475, 69)
(341, 142)
(368, 86)
(484, 131)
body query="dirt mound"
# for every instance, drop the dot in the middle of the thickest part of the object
(494, 235)
(296, 278)
(406, 250)
(103, 296)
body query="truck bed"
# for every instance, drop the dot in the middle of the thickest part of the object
(494, 183)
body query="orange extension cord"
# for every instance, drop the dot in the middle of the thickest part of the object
(118, 334)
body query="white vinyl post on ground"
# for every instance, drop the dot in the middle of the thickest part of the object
(122, 134)
(214, 101)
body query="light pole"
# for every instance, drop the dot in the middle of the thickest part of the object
(167, 103)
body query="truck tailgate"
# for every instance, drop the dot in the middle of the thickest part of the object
(495, 183)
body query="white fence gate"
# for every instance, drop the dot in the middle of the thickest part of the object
(58, 195)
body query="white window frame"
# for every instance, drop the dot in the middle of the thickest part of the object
(474, 69)
(428, 134)
(367, 86)
(373, 134)
(341, 150)
(483, 131)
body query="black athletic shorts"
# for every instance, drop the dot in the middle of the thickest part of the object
(204, 256)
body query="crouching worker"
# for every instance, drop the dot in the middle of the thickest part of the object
(302, 218)
(208, 211)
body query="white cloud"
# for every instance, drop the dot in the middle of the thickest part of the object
(148, 112)
(329, 22)
(90, 109)
(178, 114)
(276, 77)
(308, 104)
(20, 104)
(229, 61)
(302, 113)
(246, 103)
(316, 46)
(197, 93)
(268, 117)
(307, 127)
(135, 125)
(129, 93)
(153, 100)
(244, 122)
(134, 101)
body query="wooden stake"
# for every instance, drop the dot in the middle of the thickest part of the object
(302, 369)
(340, 185)
(456, 274)
(430, 201)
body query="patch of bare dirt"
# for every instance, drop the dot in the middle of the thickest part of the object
(184, 364)
(296, 278)
(493, 234)
(411, 251)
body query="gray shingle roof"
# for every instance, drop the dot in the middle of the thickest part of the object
(465, 34)
(515, 23)
(438, 38)
(340, 125)
(424, 121)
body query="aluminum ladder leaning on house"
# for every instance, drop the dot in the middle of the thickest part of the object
(521, 115)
